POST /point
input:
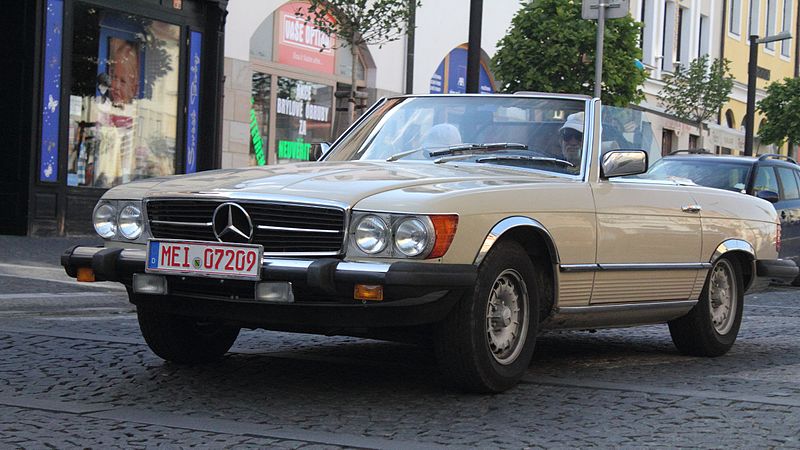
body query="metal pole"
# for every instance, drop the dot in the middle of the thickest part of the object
(412, 23)
(752, 69)
(598, 62)
(474, 50)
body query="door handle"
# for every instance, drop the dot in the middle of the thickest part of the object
(691, 208)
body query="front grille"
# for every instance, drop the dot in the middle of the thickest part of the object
(282, 228)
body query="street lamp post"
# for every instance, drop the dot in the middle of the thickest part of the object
(752, 74)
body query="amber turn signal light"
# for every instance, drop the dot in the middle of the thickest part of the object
(445, 226)
(85, 274)
(373, 292)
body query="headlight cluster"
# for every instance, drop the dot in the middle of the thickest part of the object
(402, 235)
(119, 219)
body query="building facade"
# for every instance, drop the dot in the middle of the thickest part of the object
(282, 75)
(678, 31)
(776, 60)
(101, 93)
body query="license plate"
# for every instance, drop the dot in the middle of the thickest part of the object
(205, 259)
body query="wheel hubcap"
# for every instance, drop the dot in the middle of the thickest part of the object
(507, 316)
(722, 297)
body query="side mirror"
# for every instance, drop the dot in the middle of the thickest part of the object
(618, 163)
(318, 150)
(770, 196)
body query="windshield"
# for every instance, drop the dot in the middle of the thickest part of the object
(537, 133)
(703, 171)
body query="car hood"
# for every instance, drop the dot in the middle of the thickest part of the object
(339, 182)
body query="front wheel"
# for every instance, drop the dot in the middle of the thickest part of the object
(185, 340)
(486, 343)
(711, 327)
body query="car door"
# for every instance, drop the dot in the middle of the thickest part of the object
(648, 242)
(788, 208)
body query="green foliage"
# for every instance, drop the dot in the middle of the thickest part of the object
(549, 48)
(697, 92)
(781, 107)
(359, 22)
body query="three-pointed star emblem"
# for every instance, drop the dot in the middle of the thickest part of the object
(231, 223)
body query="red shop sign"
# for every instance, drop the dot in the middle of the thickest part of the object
(301, 44)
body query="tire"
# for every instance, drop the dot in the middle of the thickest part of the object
(476, 346)
(185, 340)
(711, 327)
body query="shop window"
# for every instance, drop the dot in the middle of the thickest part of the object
(303, 116)
(123, 104)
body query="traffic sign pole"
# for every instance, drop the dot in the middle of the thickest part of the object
(598, 62)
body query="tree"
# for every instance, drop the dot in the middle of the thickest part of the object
(549, 48)
(696, 93)
(781, 107)
(359, 22)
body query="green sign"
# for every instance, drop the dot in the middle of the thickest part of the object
(255, 134)
(293, 150)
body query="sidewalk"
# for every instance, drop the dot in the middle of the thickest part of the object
(40, 251)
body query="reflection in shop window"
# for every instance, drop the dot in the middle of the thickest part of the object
(303, 117)
(123, 99)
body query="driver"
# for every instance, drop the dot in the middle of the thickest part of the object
(571, 139)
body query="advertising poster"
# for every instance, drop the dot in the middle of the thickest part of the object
(301, 44)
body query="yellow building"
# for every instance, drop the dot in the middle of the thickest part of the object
(776, 61)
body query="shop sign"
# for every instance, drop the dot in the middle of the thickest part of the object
(51, 91)
(301, 44)
(192, 118)
(293, 150)
(255, 135)
(451, 75)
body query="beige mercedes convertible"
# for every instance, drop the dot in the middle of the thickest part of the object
(472, 222)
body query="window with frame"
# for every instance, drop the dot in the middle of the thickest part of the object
(755, 10)
(786, 46)
(771, 20)
(791, 191)
(765, 181)
(735, 17)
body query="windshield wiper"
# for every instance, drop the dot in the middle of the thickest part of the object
(463, 148)
(562, 162)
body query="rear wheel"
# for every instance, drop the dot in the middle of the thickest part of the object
(711, 327)
(487, 341)
(185, 340)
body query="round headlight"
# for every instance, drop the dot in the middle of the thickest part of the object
(371, 235)
(131, 222)
(105, 220)
(411, 237)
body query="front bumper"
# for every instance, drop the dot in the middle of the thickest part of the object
(414, 293)
(777, 269)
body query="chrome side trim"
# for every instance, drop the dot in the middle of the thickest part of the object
(656, 266)
(513, 222)
(300, 230)
(186, 224)
(579, 268)
(617, 315)
(624, 267)
(732, 245)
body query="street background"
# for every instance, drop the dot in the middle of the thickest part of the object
(75, 372)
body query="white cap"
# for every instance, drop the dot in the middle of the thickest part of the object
(574, 121)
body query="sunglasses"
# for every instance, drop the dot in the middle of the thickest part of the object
(569, 134)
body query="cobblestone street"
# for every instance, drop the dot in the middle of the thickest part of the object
(75, 372)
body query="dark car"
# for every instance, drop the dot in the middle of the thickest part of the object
(773, 177)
